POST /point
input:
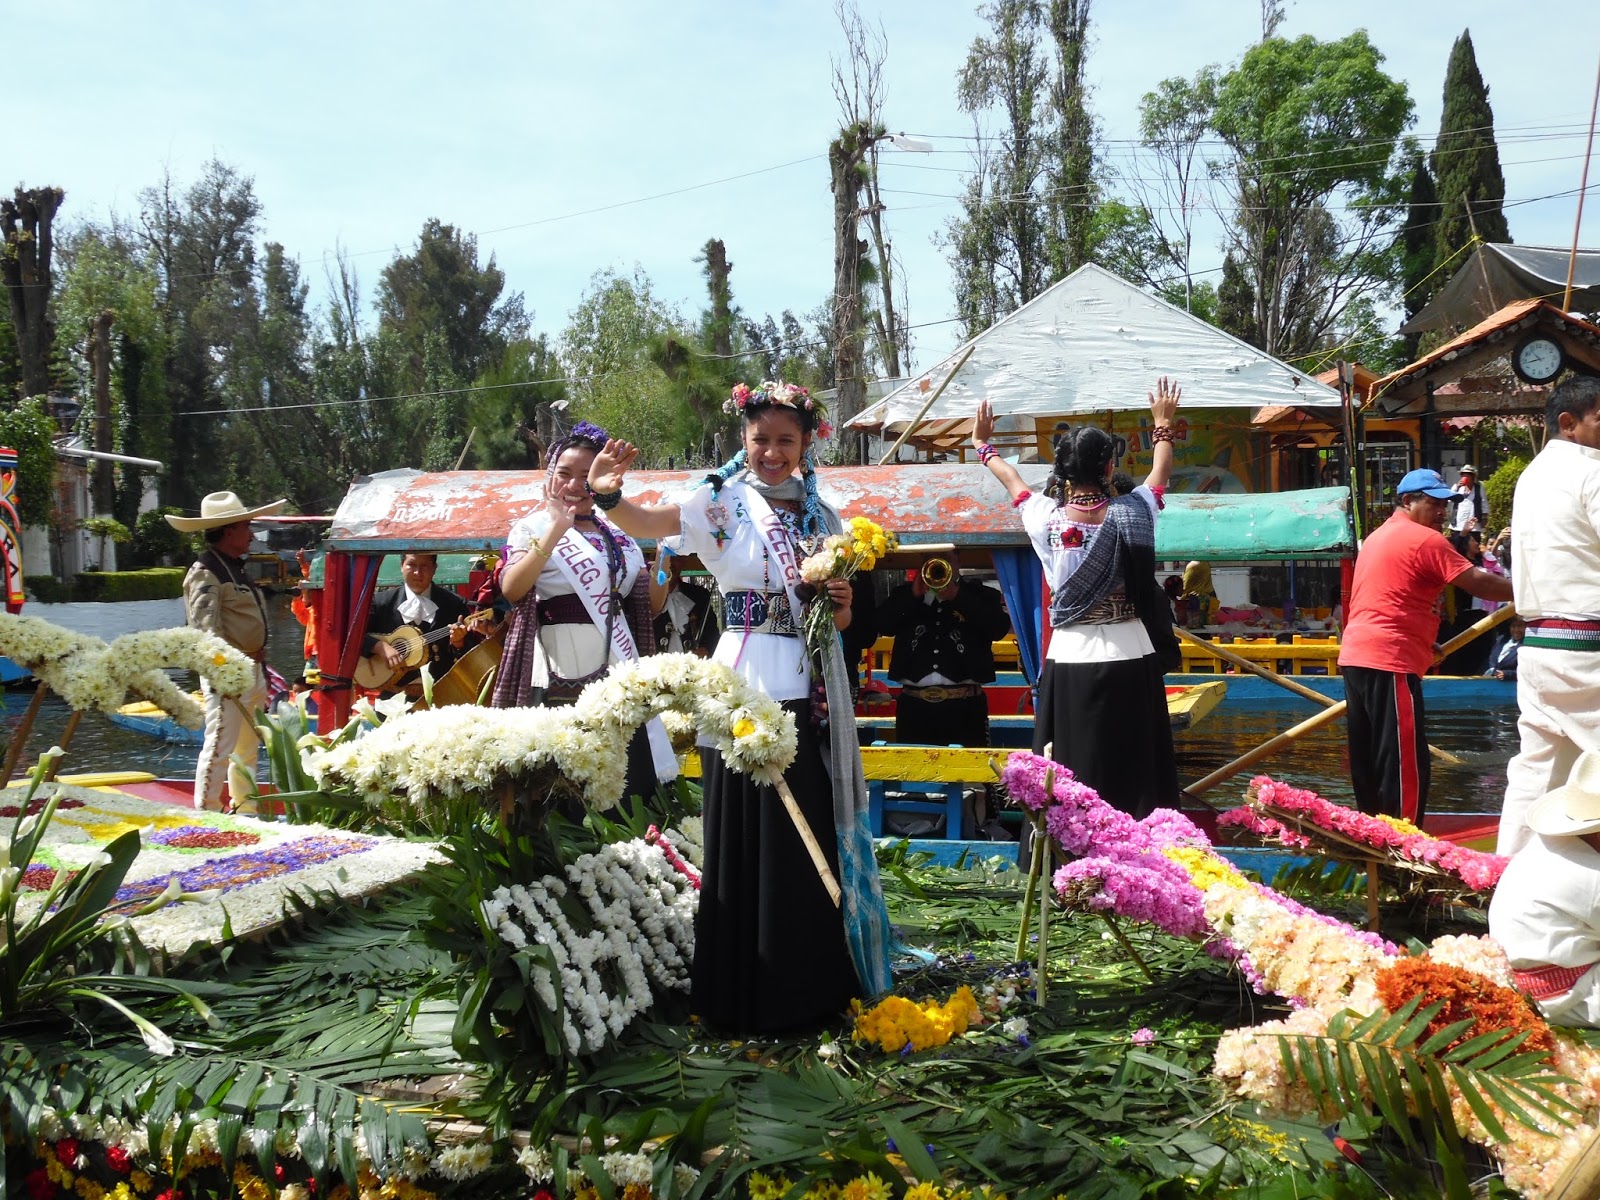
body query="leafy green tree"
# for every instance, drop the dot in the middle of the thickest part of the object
(1236, 303)
(106, 271)
(1030, 209)
(605, 349)
(440, 287)
(201, 242)
(1173, 121)
(1466, 163)
(30, 431)
(512, 414)
(1313, 132)
(1416, 245)
(27, 243)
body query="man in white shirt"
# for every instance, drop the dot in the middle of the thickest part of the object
(1546, 908)
(1555, 575)
(1471, 511)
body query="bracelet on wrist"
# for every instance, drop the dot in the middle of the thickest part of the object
(606, 501)
(985, 452)
(1161, 433)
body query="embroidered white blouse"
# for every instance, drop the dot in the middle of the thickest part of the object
(775, 663)
(1061, 544)
(579, 649)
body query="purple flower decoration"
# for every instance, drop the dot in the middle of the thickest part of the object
(1143, 1036)
(589, 430)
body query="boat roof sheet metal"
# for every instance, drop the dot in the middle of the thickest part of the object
(1095, 343)
(960, 503)
(1256, 527)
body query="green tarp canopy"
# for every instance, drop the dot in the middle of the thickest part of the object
(453, 570)
(1256, 527)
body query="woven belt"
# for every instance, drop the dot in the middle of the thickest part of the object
(1111, 609)
(1556, 633)
(1542, 983)
(564, 610)
(939, 693)
(759, 612)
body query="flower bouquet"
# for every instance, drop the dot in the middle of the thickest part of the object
(1303, 820)
(858, 548)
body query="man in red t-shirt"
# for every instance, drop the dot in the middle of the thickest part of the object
(1388, 643)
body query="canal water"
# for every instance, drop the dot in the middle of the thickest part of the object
(1483, 737)
(99, 745)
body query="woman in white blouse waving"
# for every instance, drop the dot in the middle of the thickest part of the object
(1102, 700)
(772, 951)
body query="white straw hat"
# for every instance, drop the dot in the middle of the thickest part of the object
(223, 508)
(1573, 808)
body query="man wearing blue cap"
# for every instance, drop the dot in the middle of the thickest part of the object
(1390, 627)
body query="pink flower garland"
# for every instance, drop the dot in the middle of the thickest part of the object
(660, 841)
(1475, 869)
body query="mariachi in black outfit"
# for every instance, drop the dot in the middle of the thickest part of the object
(943, 655)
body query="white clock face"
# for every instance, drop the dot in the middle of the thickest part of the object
(1540, 359)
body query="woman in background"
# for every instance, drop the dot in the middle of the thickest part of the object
(1102, 701)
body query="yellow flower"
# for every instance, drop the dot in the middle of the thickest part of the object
(219, 659)
(88, 1189)
(1400, 826)
(1205, 868)
(924, 1191)
(822, 1189)
(865, 1187)
(743, 727)
(142, 1183)
(763, 1187)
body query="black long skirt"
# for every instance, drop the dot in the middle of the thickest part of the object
(769, 947)
(1107, 722)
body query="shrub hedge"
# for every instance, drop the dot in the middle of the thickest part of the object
(152, 583)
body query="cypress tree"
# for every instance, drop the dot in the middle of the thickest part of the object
(1415, 242)
(1466, 162)
(1236, 303)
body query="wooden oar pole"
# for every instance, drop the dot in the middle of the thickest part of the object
(1476, 630)
(1255, 668)
(1283, 681)
(20, 735)
(1267, 748)
(803, 828)
(937, 392)
(67, 732)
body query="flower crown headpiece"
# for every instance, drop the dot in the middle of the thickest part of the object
(790, 395)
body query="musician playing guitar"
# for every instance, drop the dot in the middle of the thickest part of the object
(418, 602)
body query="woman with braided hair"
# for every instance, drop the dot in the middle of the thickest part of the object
(772, 952)
(1102, 701)
(581, 600)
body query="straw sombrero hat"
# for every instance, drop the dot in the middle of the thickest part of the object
(223, 508)
(1573, 808)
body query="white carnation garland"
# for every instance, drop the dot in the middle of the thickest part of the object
(464, 750)
(634, 914)
(91, 675)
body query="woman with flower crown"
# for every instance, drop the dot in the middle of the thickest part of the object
(581, 600)
(1102, 699)
(773, 952)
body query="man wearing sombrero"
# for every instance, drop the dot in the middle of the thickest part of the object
(1546, 908)
(220, 598)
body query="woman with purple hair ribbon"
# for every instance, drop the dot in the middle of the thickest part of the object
(580, 596)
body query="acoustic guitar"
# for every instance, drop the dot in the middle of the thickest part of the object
(373, 674)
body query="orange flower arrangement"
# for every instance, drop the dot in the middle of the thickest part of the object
(1466, 995)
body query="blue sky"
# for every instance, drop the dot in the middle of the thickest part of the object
(360, 120)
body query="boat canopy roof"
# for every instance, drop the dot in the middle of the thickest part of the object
(939, 504)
